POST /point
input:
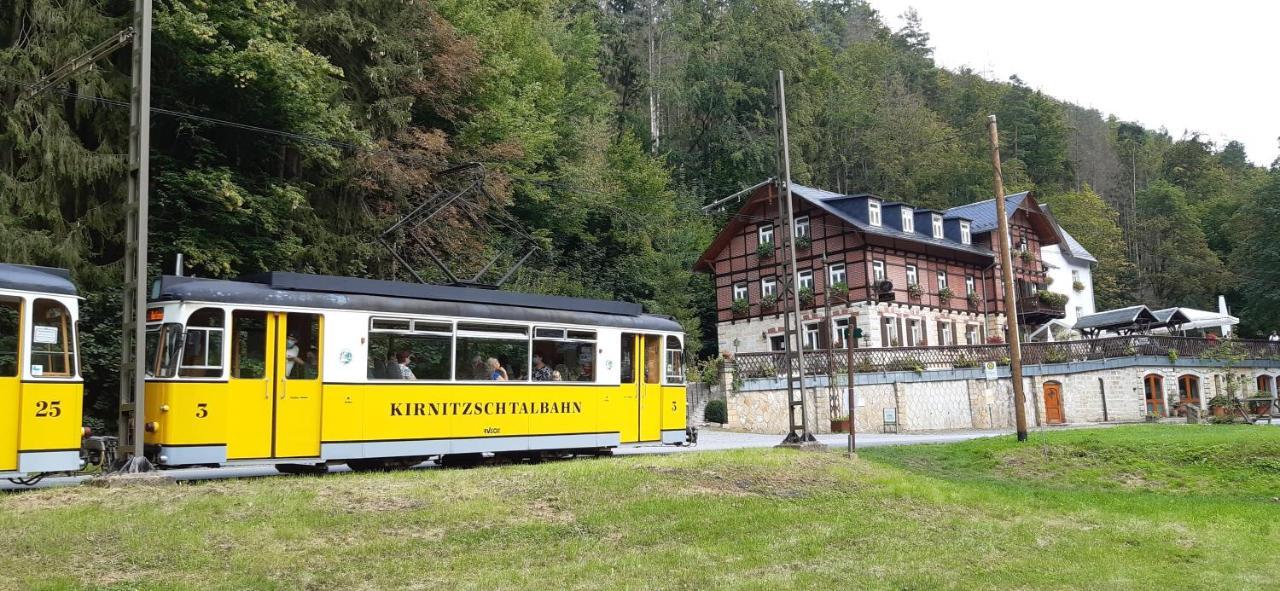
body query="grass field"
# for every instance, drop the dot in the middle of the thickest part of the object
(1144, 507)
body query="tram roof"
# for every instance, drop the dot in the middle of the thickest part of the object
(321, 291)
(37, 279)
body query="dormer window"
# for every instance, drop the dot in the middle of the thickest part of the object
(766, 234)
(965, 238)
(937, 225)
(802, 226)
(873, 212)
(908, 220)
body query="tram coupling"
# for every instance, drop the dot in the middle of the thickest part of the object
(99, 450)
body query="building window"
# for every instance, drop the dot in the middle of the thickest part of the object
(965, 238)
(777, 343)
(971, 335)
(836, 274)
(889, 332)
(913, 333)
(913, 278)
(1022, 244)
(942, 280)
(766, 234)
(802, 226)
(908, 220)
(937, 225)
(840, 328)
(805, 279)
(1075, 275)
(873, 212)
(944, 334)
(1079, 311)
(768, 287)
(811, 335)
(968, 285)
(739, 291)
(877, 270)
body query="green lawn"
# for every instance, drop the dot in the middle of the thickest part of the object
(1161, 507)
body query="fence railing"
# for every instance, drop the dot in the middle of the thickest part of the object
(828, 361)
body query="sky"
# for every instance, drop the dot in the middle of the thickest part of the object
(1208, 67)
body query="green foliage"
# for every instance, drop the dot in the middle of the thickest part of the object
(716, 411)
(963, 362)
(764, 250)
(840, 289)
(1077, 286)
(1056, 355)
(914, 290)
(806, 295)
(1052, 298)
(769, 301)
(1172, 355)
(804, 243)
(740, 306)
(1095, 225)
(945, 294)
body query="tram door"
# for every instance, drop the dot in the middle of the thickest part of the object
(10, 333)
(651, 389)
(275, 387)
(629, 424)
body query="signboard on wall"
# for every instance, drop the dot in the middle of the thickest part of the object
(989, 370)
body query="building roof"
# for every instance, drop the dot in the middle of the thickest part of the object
(1073, 248)
(1118, 319)
(982, 215)
(348, 293)
(1169, 316)
(841, 207)
(37, 279)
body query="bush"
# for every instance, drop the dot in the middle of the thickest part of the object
(973, 298)
(769, 301)
(908, 364)
(964, 361)
(1173, 355)
(1077, 285)
(740, 306)
(945, 294)
(804, 242)
(1056, 355)
(1050, 298)
(914, 290)
(764, 250)
(840, 288)
(716, 412)
(806, 295)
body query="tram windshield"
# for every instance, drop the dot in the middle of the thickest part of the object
(675, 359)
(164, 343)
(52, 340)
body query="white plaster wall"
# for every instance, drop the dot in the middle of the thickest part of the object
(1060, 268)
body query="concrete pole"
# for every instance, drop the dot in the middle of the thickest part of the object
(806, 417)
(1010, 293)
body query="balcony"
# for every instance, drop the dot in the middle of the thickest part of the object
(1040, 308)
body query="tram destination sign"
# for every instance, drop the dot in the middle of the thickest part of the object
(449, 409)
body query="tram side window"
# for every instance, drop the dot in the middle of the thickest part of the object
(652, 359)
(675, 358)
(249, 344)
(9, 331)
(202, 351)
(302, 346)
(52, 350)
(566, 355)
(427, 346)
(506, 345)
(628, 364)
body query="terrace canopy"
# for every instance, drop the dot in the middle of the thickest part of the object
(1120, 321)
(1195, 320)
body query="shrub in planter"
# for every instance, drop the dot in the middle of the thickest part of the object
(908, 364)
(1173, 355)
(964, 361)
(1050, 298)
(1077, 285)
(914, 290)
(1056, 355)
(769, 301)
(716, 412)
(804, 242)
(806, 295)
(840, 288)
(864, 365)
(1048, 280)
(973, 298)
(764, 250)
(1026, 255)
(945, 294)
(740, 306)
(995, 339)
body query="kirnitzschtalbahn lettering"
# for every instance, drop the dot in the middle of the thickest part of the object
(434, 409)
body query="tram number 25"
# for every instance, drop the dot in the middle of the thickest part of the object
(49, 408)
(202, 410)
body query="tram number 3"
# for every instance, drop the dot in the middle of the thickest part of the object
(202, 410)
(49, 408)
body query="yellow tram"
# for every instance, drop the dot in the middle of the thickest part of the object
(41, 391)
(306, 370)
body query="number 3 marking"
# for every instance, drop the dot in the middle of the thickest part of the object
(45, 408)
(202, 410)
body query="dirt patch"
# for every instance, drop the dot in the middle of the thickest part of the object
(806, 476)
(385, 497)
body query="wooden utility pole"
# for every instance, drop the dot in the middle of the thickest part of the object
(853, 422)
(1010, 293)
(134, 323)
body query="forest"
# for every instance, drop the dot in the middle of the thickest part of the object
(601, 128)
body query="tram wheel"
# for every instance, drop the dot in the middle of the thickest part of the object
(302, 469)
(460, 460)
(383, 465)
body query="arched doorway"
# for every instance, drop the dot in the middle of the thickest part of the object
(1053, 403)
(1266, 386)
(1154, 388)
(1189, 389)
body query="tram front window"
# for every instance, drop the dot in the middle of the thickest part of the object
(164, 342)
(52, 349)
(9, 330)
(675, 369)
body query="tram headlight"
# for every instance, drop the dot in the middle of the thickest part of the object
(164, 408)
(152, 427)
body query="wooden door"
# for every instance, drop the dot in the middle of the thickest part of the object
(1053, 403)
(1154, 385)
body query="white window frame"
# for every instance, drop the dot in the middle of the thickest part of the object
(873, 212)
(971, 334)
(1075, 275)
(839, 333)
(942, 279)
(802, 229)
(888, 331)
(965, 236)
(937, 225)
(969, 285)
(765, 234)
(811, 335)
(836, 274)
(914, 332)
(944, 333)
(913, 275)
(804, 279)
(769, 287)
(740, 287)
(877, 270)
(908, 219)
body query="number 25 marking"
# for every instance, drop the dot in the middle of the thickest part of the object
(50, 409)
(202, 410)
